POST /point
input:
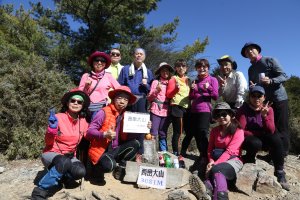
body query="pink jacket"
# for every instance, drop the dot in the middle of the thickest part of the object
(67, 136)
(159, 101)
(232, 144)
(101, 92)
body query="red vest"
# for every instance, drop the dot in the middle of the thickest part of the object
(98, 146)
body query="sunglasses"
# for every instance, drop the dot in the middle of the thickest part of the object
(256, 96)
(102, 60)
(220, 114)
(76, 100)
(115, 54)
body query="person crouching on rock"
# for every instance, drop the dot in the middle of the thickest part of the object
(224, 151)
(109, 144)
(257, 119)
(65, 131)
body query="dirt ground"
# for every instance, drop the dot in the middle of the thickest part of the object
(17, 182)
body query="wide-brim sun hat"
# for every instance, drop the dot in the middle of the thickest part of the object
(99, 54)
(228, 59)
(248, 44)
(86, 99)
(112, 94)
(258, 89)
(222, 106)
(164, 65)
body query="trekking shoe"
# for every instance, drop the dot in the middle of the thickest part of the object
(248, 159)
(97, 178)
(280, 174)
(198, 187)
(39, 194)
(119, 173)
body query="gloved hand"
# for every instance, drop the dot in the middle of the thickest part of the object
(52, 120)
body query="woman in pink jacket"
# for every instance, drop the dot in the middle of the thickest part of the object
(224, 151)
(64, 133)
(98, 83)
(160, 104)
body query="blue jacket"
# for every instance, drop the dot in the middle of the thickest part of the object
(135, 82)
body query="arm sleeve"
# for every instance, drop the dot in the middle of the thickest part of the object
(268, 121)
(122, 77)
(213, 89)
(280, 76)
(172, 89)
(241, 117)
(233, 147)
(82, 82)
(94, 130)
(153, 92)
(241, 88)
(114, 83)
(211, 144)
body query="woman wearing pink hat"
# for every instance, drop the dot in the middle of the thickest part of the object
(64, 133)
(97, 83)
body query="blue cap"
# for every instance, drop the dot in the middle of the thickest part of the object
(257, 88)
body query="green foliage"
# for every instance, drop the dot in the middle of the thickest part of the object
(40, 54)
(293, 90)
(102, 24)
(27, 87)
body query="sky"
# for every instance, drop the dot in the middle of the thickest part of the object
(229, 24)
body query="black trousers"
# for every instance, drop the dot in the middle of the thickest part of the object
(121, 154)
(199, 125)
(252, 144)
(281, 118)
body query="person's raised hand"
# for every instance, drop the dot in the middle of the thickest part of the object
(177, 84)
(193, 86)
(222, 81)
(266, 80)
(158, 87)
(265, 109)
(206, 85)
(110, 133)
(52, 120)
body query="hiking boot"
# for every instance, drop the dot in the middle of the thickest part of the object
(198, 187)
(39, 194)
(280, 174)
(97, 177)
(69, 183)
(248, 159)
(119, 172)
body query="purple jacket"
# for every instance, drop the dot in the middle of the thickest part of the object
(201, 97)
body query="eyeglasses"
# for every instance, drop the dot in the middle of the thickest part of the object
(220, 114)
(102, 60)
(115, 54)
(201, 66)
(122, 99)
(182, 66)
(256, 96)
(76, 100)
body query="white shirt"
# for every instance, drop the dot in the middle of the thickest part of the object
(234, 89)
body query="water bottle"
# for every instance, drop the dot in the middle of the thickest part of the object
(161, 161)
(176, 163)
(168, 162)
(181, 162)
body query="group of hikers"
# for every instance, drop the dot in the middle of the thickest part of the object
(94, 113)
